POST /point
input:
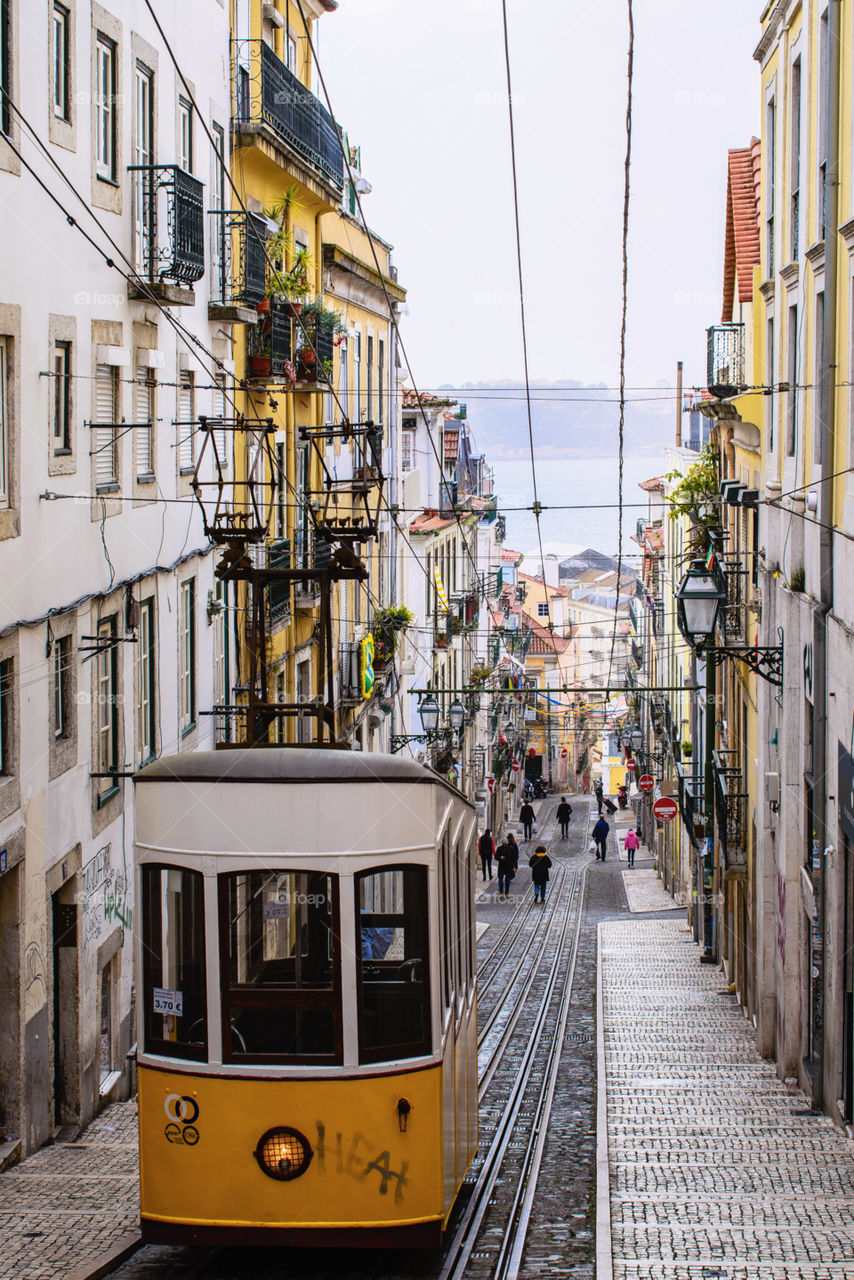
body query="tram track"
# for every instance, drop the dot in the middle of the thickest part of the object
(555, 996)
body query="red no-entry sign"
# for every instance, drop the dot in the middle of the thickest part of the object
(646, 783)
(563, 753)
(630, 765)
(516, 766)
(665, 809)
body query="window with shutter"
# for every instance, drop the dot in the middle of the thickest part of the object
(143, 411)
(4, 427)
(186, 420)
(104, 442)
(220, 409)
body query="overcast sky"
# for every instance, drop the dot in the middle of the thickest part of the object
(421, 87)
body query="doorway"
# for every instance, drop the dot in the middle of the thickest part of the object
(66, 995)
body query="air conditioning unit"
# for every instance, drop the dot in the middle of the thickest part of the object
(772, 789)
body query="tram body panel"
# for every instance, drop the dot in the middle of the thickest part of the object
(363, 1170)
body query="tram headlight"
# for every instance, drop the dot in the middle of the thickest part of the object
(283, 1153)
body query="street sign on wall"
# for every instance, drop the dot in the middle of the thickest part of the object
(665, 809)
(563, 753)
(516, 766)
(646, 783)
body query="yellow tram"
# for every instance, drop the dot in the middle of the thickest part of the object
(307, 1022)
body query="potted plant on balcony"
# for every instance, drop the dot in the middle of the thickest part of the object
(388, 624)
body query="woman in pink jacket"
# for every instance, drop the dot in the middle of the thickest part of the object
(632, 843)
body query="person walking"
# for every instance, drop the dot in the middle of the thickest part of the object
(526, 817)
(597, 791)
(600, 835)
(631, 843)
(540, 862)
(506, 860)
(564, 813)
(486, 849)
(623, 797)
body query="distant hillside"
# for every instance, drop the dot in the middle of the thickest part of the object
(569, 419)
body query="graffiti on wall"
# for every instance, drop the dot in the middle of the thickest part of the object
(105, 894)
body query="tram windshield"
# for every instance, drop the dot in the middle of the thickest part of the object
(391, 932)
(280, 965)
(173, 962)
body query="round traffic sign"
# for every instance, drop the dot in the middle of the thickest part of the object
(630, 765)
(646, 783)
(665, 809)
(490, 783)
(516, 766)
(563, 753)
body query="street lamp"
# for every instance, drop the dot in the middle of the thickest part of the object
(698, 601)
(636, 740)
(456, 715)
(429, 712)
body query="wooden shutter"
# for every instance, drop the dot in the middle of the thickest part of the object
(186, 421)
(143, 411)
(104, 443)
(220, 408)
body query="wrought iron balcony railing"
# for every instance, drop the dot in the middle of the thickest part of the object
(730, 810)
(238, 258)
(725, 359)
(691, 802)
(169, 224)
(269, 343)
(266, 92)
(314, 345)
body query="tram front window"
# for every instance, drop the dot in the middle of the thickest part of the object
(173, 962)
(281, 997)
(391, 933)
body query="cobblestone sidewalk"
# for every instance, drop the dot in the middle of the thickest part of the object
(716, 1172)
(645, 892)
(71, 1203)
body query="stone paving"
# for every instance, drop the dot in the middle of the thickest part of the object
(645, 892)
(716, 1173)
(71, 1202)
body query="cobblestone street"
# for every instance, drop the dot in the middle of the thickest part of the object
(717, 1172)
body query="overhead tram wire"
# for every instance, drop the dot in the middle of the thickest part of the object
(392, 318)
(536, 507)
(623, 319)
(275, 271)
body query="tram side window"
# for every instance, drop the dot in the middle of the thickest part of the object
(173, 948)
(446, 908)
(280, 956)
(393, 964)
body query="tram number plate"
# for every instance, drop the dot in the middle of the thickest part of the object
(168, 1001)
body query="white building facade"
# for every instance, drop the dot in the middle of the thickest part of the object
(114, 635)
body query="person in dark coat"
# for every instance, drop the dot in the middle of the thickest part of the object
(486, 849)
(600, 835)
(507, 860)
(540, 862)
(564, 813)
(526, 817)
(597, 791)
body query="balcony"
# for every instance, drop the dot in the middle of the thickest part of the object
(269, 346)
(725, 359)
(730, 810)
(691, 803)
(315, 347)
(279, 593)
(238, 265)
(169, 234)
(270, 98)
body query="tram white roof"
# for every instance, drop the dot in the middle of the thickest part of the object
(301, 765)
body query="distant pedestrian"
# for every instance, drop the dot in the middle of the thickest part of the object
(526, 817)
(486, 849)
(597, 791)
(540, 862)
(564, 813)
(623, 797)
(632, 843)
(600, 835)
(506, 860)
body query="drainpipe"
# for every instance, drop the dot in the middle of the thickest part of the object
(826, 506)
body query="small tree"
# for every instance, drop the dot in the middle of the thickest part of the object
(696, 497)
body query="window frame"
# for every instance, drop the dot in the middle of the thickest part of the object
(5, 426)
(62, 355)
(280, 998)
(185, 134)
(106, 711)
(154, 1044)
(106, 52)
(7, 717)
(61, 69)
(146, 693)
(62, 658)
(6, 127)
(411, 918)
(187, 656)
